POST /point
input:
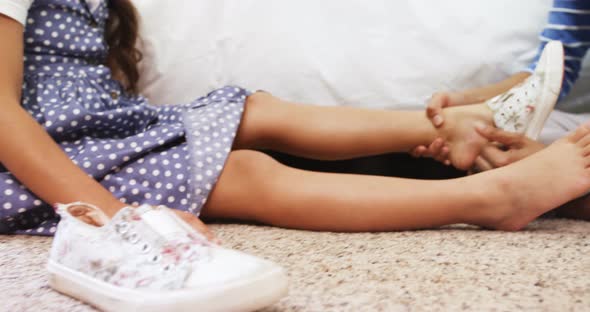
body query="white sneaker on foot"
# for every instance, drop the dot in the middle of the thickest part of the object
(148, 259)
(525, 107)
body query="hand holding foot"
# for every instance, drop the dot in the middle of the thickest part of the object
(438, 150)
(508, 148)
(460, 135)
(539, 183)
(459, 143)
(522, 109)
(439, 101)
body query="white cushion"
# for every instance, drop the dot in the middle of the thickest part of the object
(381, 54)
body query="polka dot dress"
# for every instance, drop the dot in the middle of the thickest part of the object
(170, 155)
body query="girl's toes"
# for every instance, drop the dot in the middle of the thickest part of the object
(584, 141)
(578, 134)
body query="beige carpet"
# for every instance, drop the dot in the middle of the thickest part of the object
(546, 268)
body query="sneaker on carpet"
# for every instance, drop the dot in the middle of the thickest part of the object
(148, 259)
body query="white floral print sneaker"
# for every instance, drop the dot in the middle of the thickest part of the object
(148, 259)
(525, 107)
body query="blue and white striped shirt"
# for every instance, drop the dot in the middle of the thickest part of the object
(569, 22)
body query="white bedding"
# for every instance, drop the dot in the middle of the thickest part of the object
(379, 53)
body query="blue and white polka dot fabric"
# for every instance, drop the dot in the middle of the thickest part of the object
(138, 152)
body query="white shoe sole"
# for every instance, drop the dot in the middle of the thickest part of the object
(552, 60)
(244, 295)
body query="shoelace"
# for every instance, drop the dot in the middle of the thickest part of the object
(179, 245)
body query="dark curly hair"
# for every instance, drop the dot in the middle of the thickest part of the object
(122, 33)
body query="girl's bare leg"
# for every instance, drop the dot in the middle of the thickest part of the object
(332, 133)
(255, 187)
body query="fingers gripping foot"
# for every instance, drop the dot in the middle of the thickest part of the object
(460, 133)
(543, 181)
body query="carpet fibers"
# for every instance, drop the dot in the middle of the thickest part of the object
(544, 268)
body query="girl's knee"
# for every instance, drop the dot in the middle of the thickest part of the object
(257, 174)
(257, 124)
(243, 187)
(250, 165)
(261, 100)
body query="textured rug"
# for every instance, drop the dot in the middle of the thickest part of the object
(545, 268)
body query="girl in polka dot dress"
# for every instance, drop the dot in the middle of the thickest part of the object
(77, 131)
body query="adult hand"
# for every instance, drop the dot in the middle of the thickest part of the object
(438, 101)
(437, 150)
(507, 148)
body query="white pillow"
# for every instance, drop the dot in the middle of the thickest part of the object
(380, 53)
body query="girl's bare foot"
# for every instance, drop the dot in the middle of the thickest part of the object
(530, 187)
(459, 132)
